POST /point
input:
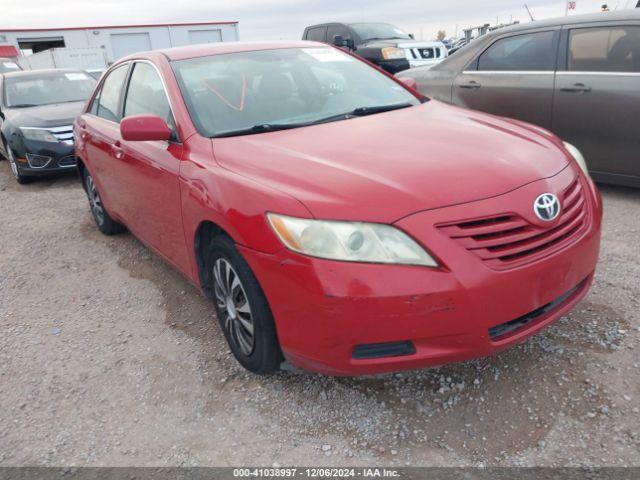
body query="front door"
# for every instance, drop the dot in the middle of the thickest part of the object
(513, 77)
(597, 98)
(152, 171)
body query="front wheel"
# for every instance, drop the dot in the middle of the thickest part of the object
(242, 309)
(20, 178)
(105, 223)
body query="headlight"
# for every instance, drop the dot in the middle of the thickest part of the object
(575, 153)
(349, 241)
(38, 134)
(393, 53)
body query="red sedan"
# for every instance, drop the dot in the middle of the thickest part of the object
(338, 219)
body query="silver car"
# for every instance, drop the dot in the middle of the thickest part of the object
(578, 76)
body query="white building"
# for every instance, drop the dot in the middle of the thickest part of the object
(118, 40)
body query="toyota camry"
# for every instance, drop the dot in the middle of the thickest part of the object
(339, 220)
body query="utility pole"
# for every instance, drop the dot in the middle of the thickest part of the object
(529, 12)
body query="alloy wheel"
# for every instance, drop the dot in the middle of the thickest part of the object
(233, 305)
(94, 201)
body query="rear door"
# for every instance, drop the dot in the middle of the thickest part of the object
(100, 132)
(597, 97)
(512, 77)
(150, 170)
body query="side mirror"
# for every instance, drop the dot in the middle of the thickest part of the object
(409, 82)
(412, 36)
(341, 42)
(144, 128)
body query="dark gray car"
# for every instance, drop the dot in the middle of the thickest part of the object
(578, 76)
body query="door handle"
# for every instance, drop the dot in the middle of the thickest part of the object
(576, 88)
(471, 85)
(117, 151)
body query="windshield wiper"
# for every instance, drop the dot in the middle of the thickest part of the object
(22, 105)
(262, 128)
(362, 111)
(274, 127)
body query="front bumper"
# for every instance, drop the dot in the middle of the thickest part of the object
(326, 310)
(61, 157)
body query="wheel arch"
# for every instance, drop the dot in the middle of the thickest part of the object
(206, 231)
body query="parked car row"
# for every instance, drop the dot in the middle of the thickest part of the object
(577, 76)
(338, 219)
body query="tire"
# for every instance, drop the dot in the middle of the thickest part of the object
(20, 178)
(105, 223)
(242, 310)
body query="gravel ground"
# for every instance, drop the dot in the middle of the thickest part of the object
(108, 357)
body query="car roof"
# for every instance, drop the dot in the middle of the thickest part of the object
(40, 73)
(629, 14)
(221, 48)
(371, 23)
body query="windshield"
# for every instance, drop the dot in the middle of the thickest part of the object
(294, 86)
(378, 31)
(47, 88)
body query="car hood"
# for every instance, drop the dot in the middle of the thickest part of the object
(382, 167)
(45, 115)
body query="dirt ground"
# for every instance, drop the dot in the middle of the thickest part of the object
(108, 357)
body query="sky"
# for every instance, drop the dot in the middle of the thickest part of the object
(286, 19)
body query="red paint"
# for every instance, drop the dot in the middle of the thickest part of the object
(417, 168)
(8, 51)
(224, 99)
(141, 128)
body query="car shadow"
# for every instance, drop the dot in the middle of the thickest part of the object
(53, 180)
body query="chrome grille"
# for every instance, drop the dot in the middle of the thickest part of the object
(508, 240)
(67, 162)
(426, 53)
(63, 134)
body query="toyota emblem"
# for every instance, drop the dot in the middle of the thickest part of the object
(547, 207)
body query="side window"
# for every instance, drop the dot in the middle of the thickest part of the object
(146, 94)
(333, 30)
(95, 102)
(613, 49)
(528, 52)
(109, 96)
(317, 34)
